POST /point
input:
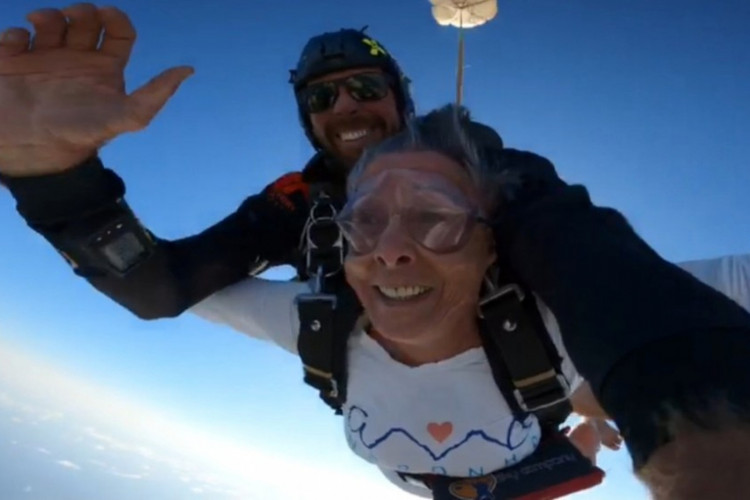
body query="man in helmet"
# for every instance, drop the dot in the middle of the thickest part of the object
(374, 101)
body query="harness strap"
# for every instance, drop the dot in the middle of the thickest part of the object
(525, 363)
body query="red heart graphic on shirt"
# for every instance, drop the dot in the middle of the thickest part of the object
(440, 432)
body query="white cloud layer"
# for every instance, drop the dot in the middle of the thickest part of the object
(135, 444)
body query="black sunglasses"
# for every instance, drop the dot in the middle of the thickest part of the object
(363, 87)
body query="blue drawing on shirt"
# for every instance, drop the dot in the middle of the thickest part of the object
(356, 419)
(535, 440)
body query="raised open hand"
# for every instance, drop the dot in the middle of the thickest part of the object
(62, 92)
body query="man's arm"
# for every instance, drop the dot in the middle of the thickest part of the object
(78, 205)
(83, 214)
(647, 335)
(610, 292)
(707, 454)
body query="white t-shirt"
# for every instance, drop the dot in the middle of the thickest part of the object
(444, 418)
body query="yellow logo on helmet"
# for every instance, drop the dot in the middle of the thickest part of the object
(375, 48)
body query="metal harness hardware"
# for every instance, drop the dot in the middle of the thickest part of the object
(323, 331)
(522, 350)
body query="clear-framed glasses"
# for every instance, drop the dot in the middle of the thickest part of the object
(439, 227)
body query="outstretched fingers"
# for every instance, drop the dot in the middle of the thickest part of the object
(84, 26)
(119, 34)
(148, 100)
(49, 28)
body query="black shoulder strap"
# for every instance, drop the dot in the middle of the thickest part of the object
(326, 322)
(525, 363)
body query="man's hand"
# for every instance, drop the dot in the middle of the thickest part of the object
(62, 93)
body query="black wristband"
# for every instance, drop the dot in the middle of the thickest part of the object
(72, 194)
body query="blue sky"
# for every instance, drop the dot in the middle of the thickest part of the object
(647, 103)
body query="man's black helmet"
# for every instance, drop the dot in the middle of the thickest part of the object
(342, 50)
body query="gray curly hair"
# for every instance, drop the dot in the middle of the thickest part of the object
(449, 131)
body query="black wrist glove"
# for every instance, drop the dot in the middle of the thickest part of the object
(72, 194)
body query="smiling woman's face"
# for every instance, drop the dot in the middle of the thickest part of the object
(418, 253)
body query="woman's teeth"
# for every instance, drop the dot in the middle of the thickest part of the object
(403, 292)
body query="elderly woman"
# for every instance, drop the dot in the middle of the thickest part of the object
(421, 397)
